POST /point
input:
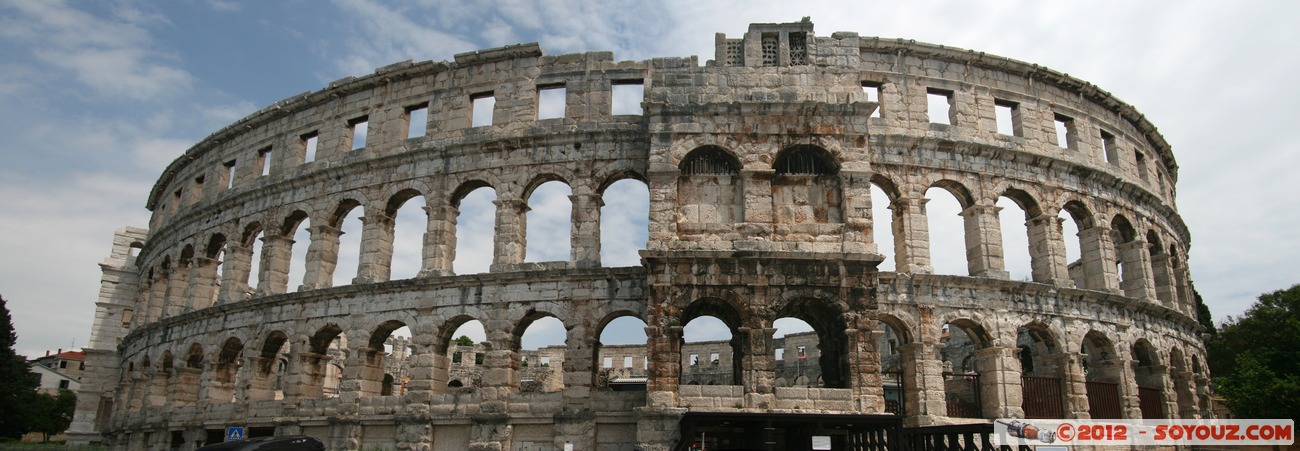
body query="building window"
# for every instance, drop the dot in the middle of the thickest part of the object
(551, 101)
(627, 362)
(1109, 147)
(229, 173)
(626, 97)
(63, 364)
(65, 384)
(939, 106)
(417, 121)
(1007, 114)
(357, 130)
(1066, 135)
(798, 49)
(481, 108)
(264, 160)
(872, 90)
(308, 147)
(608, 362)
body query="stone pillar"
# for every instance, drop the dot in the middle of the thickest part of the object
(375, 260)
(864, 365)
(439, 241)
(1184, 299)
(1137, 281)
(184, 387)
(664, 347)
(369, 374)
(178, 290)
(156, 391)
(984, 256)
(1074, 388)
(202, 290)
(157, 295)
(758, 195)
(585, 241)
(859, 236)
(1186, 395)
(261, 377)
(663, 208)
(322, 258)
(273, 273)
(1162, 280)
(911, 228)
(923, 388)
(757, 359)
(1047, 250)
(1098, 259)
(579, 368)
(306, 374)
(511, 227)
(234, 277)
(999, 371)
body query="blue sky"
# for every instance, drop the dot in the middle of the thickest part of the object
(96, 97)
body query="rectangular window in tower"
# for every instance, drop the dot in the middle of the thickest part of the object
(358, 131)
(1007, 114)
(626, 97)
(551, 101)
(608, 362)
(1065, 132)
(308, 147)
(627, 362)
(1110, 148)
(417, 120)
(264, 160)
(939, 106)
(872, 90)
(481, 108)
(229, 173)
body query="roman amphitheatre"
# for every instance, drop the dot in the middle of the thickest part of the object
(759, 166)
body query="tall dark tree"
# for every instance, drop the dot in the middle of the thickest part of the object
(17, 382)
(1254, 358)
(1203, 313)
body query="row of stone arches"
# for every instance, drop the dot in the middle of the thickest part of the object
(266, 255)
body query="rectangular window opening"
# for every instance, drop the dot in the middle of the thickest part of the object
(1141, 164)
(780, 353)
(695, 359)
(627, 362)
(455, 359)
(626, 97)
(939, 106)
(229, 172)
(608, 362)
(713, 358)
(264, 160)
(550, 101)
(481, 107)
(417, 121)
(1065, 136)
(197, 192)
(1109, 147)
(359, 128)
(546, 361)
(872, 90)
(309, 147)
(1008, 117)
(478, 358)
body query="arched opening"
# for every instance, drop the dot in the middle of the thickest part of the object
(323, 363)
(1121, 234)
(624, 223)
(948, 240)
(550, 223)
(347, 220)
(709, 189)
(253, 240)
(806, 189)
(458, 354)
(1102, 370)
(185, 387)
(797, 353)
(896, 364)
(1017, 210)
(963, 388)
(537, 336)
(818, 327)
(623, 343)
(216, 253)
(225, 370)
(1150, 378)
(1076, 222)
(410, 221)
(266, 375)
(475, 229)
(385, 369)
(297, 227)
(709, 353)
(882, 226)
(1043, 370)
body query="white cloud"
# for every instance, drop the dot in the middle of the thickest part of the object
(115, 57)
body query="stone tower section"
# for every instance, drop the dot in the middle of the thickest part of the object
(759, 167)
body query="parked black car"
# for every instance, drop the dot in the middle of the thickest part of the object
(281, 443)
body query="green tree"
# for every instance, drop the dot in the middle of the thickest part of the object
(1254, 358)
(17, 382)
(1203, 313)
(52, 414)
(464, 340)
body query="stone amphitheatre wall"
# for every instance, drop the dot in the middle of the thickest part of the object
(759, 167)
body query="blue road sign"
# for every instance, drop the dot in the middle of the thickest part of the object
(234, 434)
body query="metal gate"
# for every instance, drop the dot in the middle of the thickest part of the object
(1041, 397)
(1103, 400)
(1151, 403)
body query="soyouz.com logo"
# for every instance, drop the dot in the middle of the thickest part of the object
(1014, 432)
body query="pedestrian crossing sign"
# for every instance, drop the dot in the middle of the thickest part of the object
(234, 434)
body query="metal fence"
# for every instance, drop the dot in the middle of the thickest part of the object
(1103, 400)
(1041, 397)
